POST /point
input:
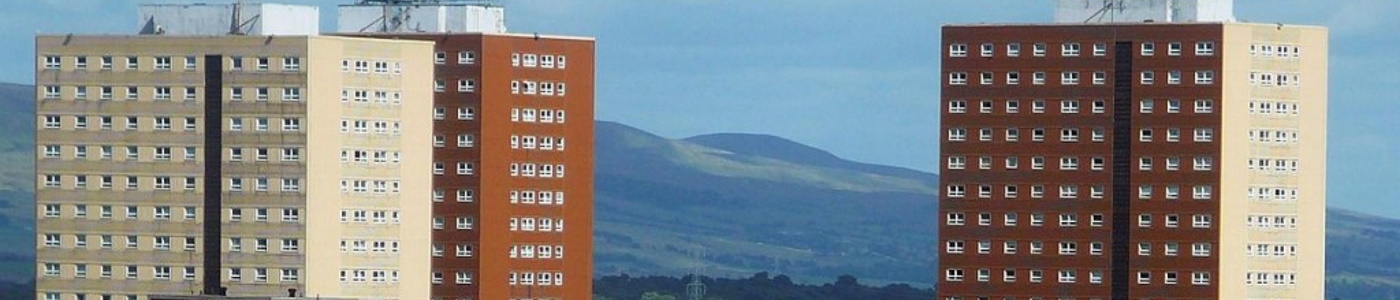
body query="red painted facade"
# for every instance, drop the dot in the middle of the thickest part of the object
(493, 114)
(1004, 189)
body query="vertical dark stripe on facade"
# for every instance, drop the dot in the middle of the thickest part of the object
(1122, 162)
(213, 172)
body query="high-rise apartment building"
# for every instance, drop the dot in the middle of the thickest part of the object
(1133, 150)
(512, 150)
(190, 160)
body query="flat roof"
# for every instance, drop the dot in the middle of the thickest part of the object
(229, 36)
(1053, 24)
(510, 34)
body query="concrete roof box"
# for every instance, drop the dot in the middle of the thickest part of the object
(1135, 11)
(217, 19)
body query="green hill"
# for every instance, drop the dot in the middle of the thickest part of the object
(665, 206)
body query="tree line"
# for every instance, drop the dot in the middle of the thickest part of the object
(760, 286)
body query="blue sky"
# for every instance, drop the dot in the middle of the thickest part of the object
(856, 78)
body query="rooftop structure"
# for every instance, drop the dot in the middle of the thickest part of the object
(1131, 11)
(218, 19)
(422, 16)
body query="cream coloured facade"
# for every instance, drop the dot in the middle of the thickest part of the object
(1274, 123)
(317, 147)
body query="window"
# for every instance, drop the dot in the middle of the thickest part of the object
(291, 154)
(957, 78)
(53, 62)
(162, 63)
(1144, 220)
(953, 275)
(1013, 49)
(1200, 249)
(1200, 278)
(957, 162)
(1069, 49)
(1067, 276)
(1205, 48)
(291, 94)
(1038, 78)
(464, 168)
(1204, 106)
(1169, 278)
(291, 185)
(987, 49)
(987, 78)
(957, 134)
(1202, 163)
(1200, 221)
(51, 93)
(289, 275)
(263, 64)
(1100, 49)
(1068, 163)
(290, 124)
(1148, 49)
(1100, 78)
(1172, 221)
(466, 113)
(466, 58)
(291, 64)
(1069, 220)
(1205, 77)
(1069, 106)
(1203, 135)
(1174, 49)
(1174, 77)
(1069, 78)
(957, 106)
(466, 85)
(956, 219)
(954, 50)
(1013, 78)
(1147, 77)
(1038, 49)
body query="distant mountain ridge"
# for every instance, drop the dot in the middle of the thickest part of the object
(787, 150)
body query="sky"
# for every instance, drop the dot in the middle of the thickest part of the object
(857, 78)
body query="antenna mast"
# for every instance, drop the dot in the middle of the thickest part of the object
(234, 28)
(695, 289)
(1108, 7)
